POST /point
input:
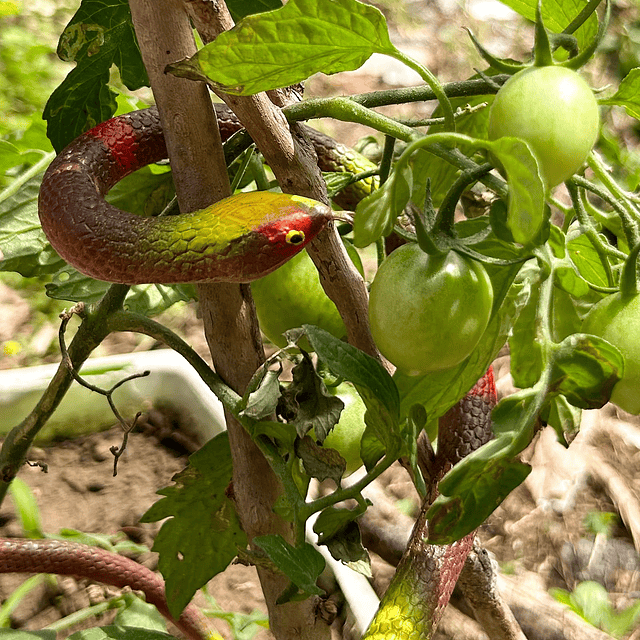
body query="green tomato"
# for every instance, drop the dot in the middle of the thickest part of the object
(617, 320)
(292, 296)
(552, 109)
(427, 313)
(346, 435)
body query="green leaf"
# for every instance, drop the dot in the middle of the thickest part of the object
(524, 342)
(320, 462)
(302, 565)
(117, 632)
(285, 46)
(556, 15)
(140, 614)
(26, 506)
(306, 402)
(628, 94)
(23, 245)
(586, 259)
(473, 489)
(203, 533)
(377, 213)
(262, 401)
(562, 416)
(585, 370)
(372, 381)
(98, 36)
(337, 529)
(148, 299)
(526, 210)
(146, 192)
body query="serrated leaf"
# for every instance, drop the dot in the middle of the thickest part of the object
(203, 533)
(282, 47)
(339, 532)
(306, 402)
(320, 462)
(263, 401)
(585, 370)
(372, 381)
(302, 565)
(98, 36)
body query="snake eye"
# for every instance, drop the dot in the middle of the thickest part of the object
(294, 237)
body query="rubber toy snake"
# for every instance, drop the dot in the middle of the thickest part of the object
(238, 239)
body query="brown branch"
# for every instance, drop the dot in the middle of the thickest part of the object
(294, 162)
(231, 328)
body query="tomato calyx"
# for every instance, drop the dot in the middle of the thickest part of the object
(435, 231)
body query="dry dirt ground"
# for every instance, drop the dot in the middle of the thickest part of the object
(538, 536)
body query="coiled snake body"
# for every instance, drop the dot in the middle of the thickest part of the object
(239, 239)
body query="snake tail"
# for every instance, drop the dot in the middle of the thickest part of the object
(238, 239)
(63, 557)
(426, 575)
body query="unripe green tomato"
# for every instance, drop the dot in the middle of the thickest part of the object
(617, 320)
(427, 313)
(346, 435)
(292, 296)
(554, 110)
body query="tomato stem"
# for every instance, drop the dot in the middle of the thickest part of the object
(588, 228)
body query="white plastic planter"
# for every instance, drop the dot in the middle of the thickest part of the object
(171, 381)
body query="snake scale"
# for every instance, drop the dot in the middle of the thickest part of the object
(242, 238)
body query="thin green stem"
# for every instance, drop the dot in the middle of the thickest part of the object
(582, 17)
(350, 493)
(127, 321)
(627, 221)
(434, 83)
(587, 228)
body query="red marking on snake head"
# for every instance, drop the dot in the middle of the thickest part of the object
(288, 235)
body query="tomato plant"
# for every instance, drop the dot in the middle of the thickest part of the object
(292, 296)
(617, 320)
(428, 312)
(552, 109)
